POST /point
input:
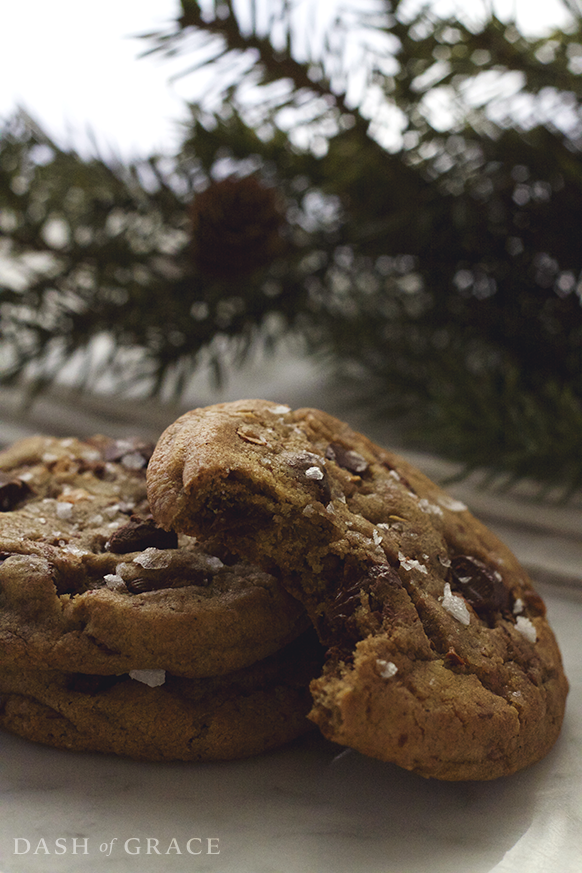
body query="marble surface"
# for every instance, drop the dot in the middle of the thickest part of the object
(311, 807)
(308, 808)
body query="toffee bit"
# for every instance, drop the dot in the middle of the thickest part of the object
(534, 604)
(453, 659)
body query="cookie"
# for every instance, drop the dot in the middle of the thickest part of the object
(152, 716)
(88, 579)
(439, 655)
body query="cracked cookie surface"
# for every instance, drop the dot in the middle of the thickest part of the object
(440, 657)
(88, 579)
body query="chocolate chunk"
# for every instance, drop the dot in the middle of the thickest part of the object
(347, 458)
(338, 626)
(139, 534)
(345, 603)
(12, 491)
(481, 586)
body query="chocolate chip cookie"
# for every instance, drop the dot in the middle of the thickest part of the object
(88, 581)
(439, 654)
(155, 716)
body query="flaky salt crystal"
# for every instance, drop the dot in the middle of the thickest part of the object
(518, 606)
(450, 503)
(133, 461)
(64, 509)
(426, 506)
(411, 563)
(526, 628)
(455, 605)
(386, 669)
(152, 559)
(153, 678)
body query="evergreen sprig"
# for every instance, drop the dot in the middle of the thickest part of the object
(438, 267)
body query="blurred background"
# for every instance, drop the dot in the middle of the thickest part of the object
(367, 206)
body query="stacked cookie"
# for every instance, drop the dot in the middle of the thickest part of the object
(117, 636)
(280, 565)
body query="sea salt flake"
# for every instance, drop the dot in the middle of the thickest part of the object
(279, 410)
(376, 537)
(64, 509)
(74, 550)
(386, 669)
(426, 506)
(113, 581)
(309, 510)
(153, 678)
(153, 559)
(518, 606)
(450, 503)
(411, 563)
(526, 628)
(314, 473)
(455, 605)
(133, 461)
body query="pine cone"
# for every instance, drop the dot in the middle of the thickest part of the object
(235, 227)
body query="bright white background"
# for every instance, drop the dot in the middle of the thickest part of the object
(73, 65)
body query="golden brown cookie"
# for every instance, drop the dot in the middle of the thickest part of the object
(154, 716)
(440, 657)
(89, 582)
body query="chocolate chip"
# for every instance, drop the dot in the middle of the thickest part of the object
(141, 584)
(139, 534)
(347, 458)
(481, 586)
(12, 491)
